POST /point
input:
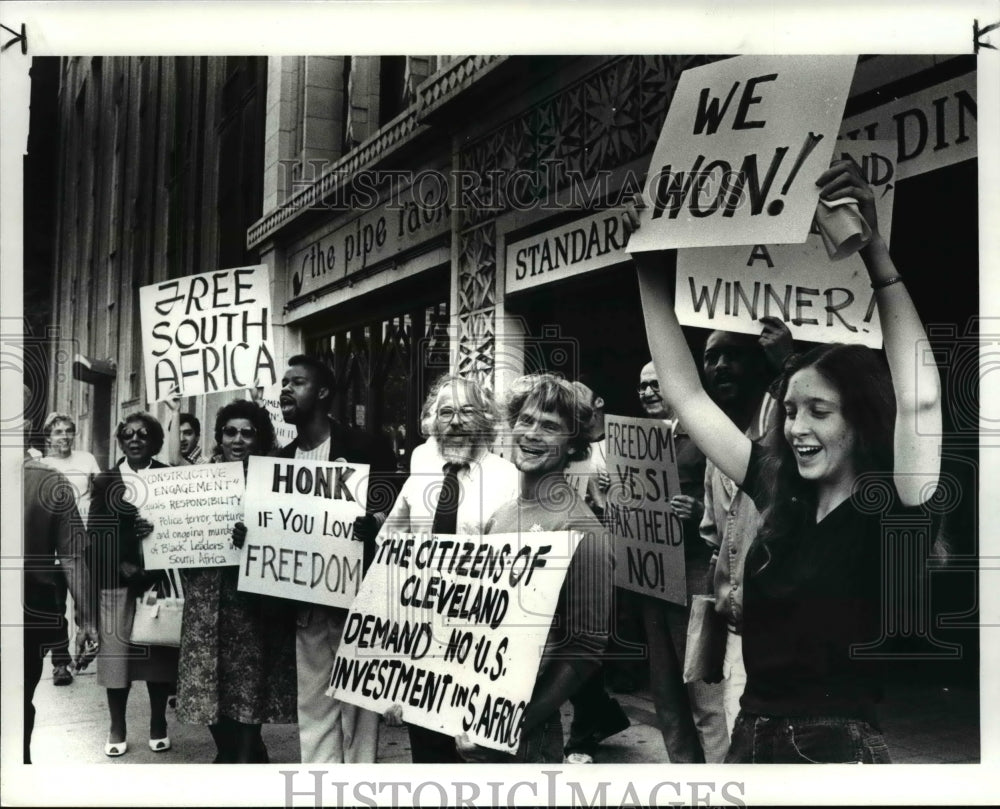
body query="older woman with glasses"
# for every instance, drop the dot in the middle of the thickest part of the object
(116, 533)
(237, 665)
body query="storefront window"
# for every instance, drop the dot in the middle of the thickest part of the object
(383, 371)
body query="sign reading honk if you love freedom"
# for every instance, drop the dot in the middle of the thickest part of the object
(300, 529)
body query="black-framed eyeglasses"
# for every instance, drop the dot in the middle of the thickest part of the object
(652, 384)
(128, 434)
(246, 432)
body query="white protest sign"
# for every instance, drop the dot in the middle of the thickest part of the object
(822, 301)
(208, 333)
(742, 145)
(284, 432)
(192, 509)
(648, 536)
(452, 628)
(300, 530)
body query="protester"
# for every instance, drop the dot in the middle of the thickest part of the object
(331, 731)
(821, 479)
(454, 490)
(738, 369)
(548, 419)
(237, 656)
(596, 715)
(116, 532)
(53, 543)
(79, 468)
(691, 717)
(190, 439)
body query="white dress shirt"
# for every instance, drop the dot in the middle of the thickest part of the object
(485, 485)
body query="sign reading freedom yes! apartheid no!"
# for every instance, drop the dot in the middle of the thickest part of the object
(208, 333)
(739, 153)
(452, 628)
(193, 510)
(648, 536)
(821, 300)
(300, 530)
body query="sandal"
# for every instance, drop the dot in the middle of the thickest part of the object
(115, 749)
(159, 745)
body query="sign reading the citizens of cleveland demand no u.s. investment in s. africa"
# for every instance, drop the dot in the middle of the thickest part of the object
(452, 628)
(208, 333)
(743, 143)
(300, 529)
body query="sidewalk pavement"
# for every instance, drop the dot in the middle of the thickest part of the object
(923, 724)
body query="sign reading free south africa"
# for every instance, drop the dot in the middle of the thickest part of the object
(821, 300)
(208, 333)
(300, 529)
(743, 143)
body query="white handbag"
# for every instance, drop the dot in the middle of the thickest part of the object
(157, 620)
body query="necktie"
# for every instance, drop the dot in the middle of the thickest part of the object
(446, 514)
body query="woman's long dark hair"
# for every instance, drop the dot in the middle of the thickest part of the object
(868, 405)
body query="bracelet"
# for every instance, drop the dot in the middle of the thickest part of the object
(888, 282)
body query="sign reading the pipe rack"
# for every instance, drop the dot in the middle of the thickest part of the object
(411, 215)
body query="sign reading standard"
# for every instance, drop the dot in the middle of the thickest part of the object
(300, 530)
(649, 537)
(587, 244)
(452, 628)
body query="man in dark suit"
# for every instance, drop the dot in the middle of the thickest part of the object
(330, 730)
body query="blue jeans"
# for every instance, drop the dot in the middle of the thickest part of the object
(805, 740)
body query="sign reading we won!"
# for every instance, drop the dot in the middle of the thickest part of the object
(743, 143)
(208, 333)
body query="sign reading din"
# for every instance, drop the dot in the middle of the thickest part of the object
(581, 246)
(376, 235)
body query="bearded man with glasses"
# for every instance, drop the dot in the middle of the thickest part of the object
(455, 493)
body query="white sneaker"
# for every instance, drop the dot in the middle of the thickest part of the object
(579, 758)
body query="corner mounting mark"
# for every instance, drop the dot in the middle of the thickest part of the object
(977, 32)
(22, 38)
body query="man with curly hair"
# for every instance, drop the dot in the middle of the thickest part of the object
(549, 419)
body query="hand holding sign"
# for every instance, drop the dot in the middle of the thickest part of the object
(738, 288)
(775, 341)
(843, 180)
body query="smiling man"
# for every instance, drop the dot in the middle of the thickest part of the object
(454, 489)
(550, 421)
